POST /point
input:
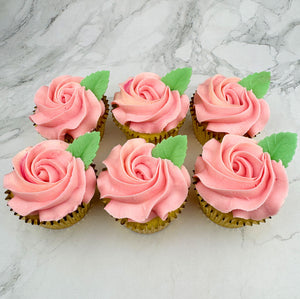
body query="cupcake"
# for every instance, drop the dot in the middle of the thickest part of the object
(240, 182)
(53, 183)
(151, 107)
(145, 186)
(71, 107)
(223, 105)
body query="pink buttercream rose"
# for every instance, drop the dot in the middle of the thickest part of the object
(237, 176)
(139, 186)
(147, 105)
(228, 107)
(66, 107)
(48, 181)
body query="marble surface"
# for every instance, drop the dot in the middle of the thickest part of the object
(193, 257)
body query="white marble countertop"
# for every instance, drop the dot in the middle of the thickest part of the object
(193, 257)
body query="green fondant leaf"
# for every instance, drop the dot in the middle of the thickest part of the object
(97, 83)
(280, 146)
(178, 79)
(85, 147)
(258, 82)
(173, 148)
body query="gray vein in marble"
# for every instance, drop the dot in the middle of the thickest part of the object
(280, 238)
(279, 7)
(242, 230)
(134, 12)
(22, 23)
(188, 23)
(9, 278)
(295, 180)
(52, 19)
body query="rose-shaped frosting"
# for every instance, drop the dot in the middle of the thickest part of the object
(147, 105)
(66, 107)
(237, 176)
(228, 107)
(139, 186)
(48, 181)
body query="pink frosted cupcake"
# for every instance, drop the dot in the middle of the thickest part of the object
(71, 106)
(241, 182)
(230, 105)
(51, 184)
(152, 107)
(145, 187)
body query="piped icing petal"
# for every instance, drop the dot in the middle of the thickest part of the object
(274, 201)
(237, 176)
(48, 181)
(147, 105)
(65, 107)
(139, 186)
(228, 107)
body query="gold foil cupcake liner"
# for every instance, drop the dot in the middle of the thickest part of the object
(100, 127)
(224, 219)
(200, 131)
(152, 226)
(153, 138)
(65, 222)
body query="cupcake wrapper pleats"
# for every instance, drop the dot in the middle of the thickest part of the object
(153, 138)
(153, 225)
(224, 219)
(65, 222)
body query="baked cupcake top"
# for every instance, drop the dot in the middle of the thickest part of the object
(70, 105)
(232, 105)
(150, 104)
(52, 178)
(143, 181)
(243, 177)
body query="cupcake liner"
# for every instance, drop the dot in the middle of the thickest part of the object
(224, 219)
(153, 225)
(153, 138)
(65, 222)
(100, 127)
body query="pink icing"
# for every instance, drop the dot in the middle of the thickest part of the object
(147, 105)
(47, 180)
(228, 107)
(66, 107)
(139, 186)
(237, 176)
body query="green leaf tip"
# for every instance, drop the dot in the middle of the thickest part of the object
(281, 146)
(85, 147)
(173, 148)
(178, 79)
(97, 83)
(258, 82)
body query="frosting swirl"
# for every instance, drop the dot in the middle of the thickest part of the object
(228, 107)
(147, 105)
(139, 186)
(237, 176)
(47, 180)
(66, 107)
